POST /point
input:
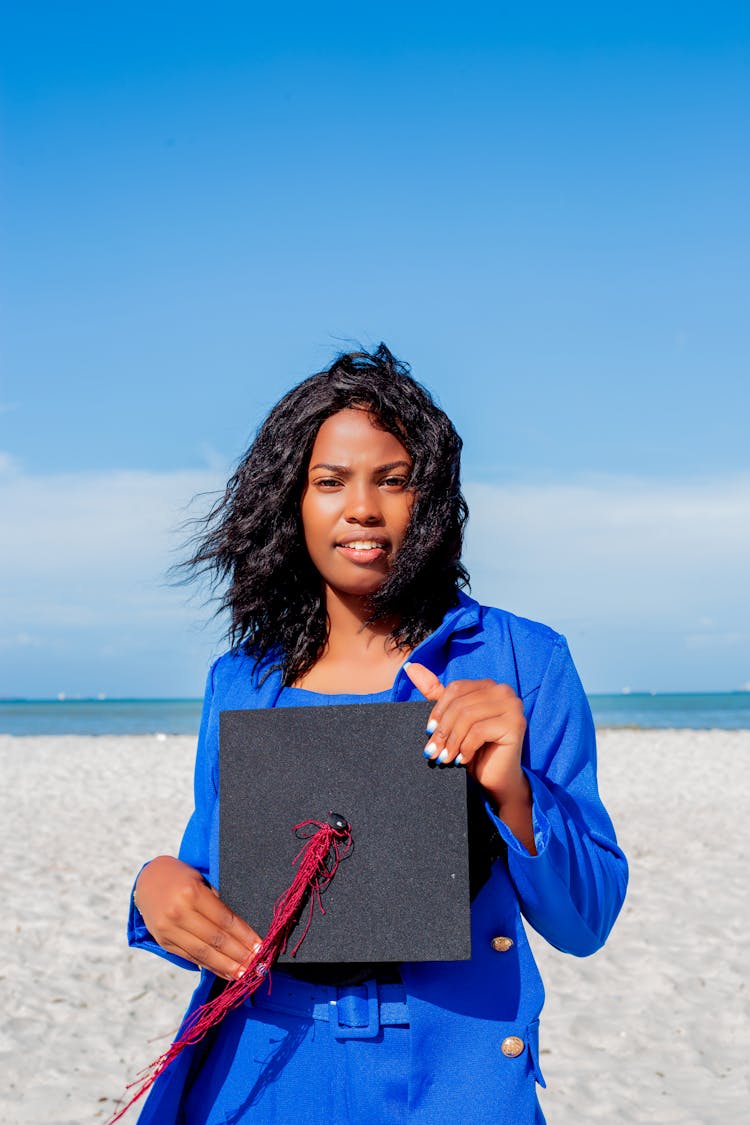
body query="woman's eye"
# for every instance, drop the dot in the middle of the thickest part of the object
(328, 482)
(396, 482)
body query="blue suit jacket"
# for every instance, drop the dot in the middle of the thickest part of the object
(571, 891)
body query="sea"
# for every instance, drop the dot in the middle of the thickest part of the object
(711, 710)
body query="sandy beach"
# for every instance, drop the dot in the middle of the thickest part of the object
(654, 1028)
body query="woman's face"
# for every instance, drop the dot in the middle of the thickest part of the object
(356, 503)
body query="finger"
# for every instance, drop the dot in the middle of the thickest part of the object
(452, 734)
(460, 752)
(206, 955)
(199, 913)
(460, 690)
(186, 951)
(483, 736)
(457, 696)
(226, 973)
(241, 936)
(502, 708)
(492, 710)
(475, 700)
(424, 680)
(214, 948)
(431, 688)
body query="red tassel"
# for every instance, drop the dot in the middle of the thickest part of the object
(327, 843)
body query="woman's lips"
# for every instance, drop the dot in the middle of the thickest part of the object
(363, 551)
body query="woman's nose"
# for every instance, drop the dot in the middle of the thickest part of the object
(363, 505)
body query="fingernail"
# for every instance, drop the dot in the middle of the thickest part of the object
(256, 947)
(429, 749)
(239, 974)
(406, 664)
(443, 757)
(458, 760)
(432, 726)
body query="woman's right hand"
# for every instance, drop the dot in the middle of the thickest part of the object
(186, 916)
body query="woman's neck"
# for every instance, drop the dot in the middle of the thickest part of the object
(358, 658)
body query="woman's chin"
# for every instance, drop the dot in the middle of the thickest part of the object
(362, 591)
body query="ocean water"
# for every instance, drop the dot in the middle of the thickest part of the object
(700, 711)
(100, 716)
(725, 711)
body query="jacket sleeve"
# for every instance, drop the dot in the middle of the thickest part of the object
(571, 891)
(196, 839)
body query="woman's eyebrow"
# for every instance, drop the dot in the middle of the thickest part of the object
(346, 471)
(393, 465)
(330, 468)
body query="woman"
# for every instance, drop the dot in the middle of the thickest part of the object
(339, 539)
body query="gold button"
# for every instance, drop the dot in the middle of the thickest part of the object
(512, 1046)
(502, 944)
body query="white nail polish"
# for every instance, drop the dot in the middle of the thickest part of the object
(432, 726)
(443, 757)
(458, 760)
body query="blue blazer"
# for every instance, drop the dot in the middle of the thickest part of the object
(571, 891)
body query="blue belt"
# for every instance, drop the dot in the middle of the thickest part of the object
(353, 1012)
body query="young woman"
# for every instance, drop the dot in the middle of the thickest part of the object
(338, 541)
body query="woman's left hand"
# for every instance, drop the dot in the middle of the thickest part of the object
(480, 724)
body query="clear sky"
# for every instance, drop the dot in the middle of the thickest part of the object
(543, 208)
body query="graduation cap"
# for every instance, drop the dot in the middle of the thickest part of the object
(304, 789)
(403, 892)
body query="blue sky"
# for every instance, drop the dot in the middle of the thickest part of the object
(543, 210)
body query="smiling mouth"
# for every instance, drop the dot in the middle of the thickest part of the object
(363, 550)
(363, 545)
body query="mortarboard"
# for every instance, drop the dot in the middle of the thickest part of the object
(403, 892)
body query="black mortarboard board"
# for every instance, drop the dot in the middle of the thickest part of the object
(403, 892)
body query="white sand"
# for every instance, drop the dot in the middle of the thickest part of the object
(654, 1028)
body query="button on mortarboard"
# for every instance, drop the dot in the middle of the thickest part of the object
(337, 821)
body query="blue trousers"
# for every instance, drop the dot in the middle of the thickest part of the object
(347, 1066)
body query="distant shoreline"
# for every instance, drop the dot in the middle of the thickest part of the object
(148, 699)
(642, 711)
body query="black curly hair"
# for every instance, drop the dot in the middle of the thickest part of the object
(252, 538)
